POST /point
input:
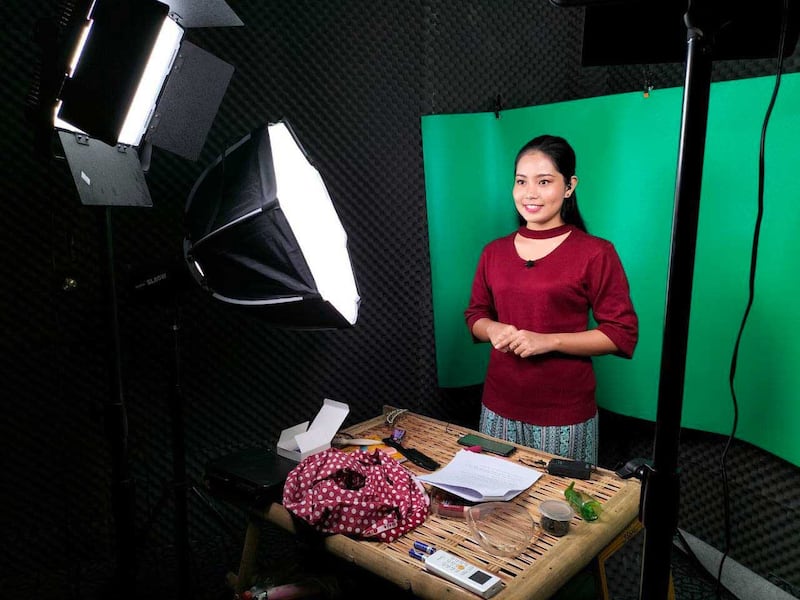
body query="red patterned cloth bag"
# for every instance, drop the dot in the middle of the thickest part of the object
(358, 494)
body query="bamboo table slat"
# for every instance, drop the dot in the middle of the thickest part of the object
(537, 573)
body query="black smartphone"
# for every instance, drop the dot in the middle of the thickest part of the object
(493, 446)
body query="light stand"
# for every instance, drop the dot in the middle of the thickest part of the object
(704, 22)
(263, 237)
(123, 499)
(164, 286)
(179, 482)
(102, 63)
(660, 488)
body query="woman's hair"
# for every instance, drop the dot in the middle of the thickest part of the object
(563, 156)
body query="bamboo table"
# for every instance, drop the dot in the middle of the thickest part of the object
(537, 573)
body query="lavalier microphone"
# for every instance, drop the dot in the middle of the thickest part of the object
(529, 264)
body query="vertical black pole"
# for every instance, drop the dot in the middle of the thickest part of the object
(116, 426)
(660, 494)
(179, 468)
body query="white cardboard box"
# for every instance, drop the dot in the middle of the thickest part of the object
(301, 441)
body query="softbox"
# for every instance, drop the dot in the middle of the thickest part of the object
(262, 234)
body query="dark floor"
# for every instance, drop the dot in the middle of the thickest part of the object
(289, 561)
(623, 572)
(283, 559)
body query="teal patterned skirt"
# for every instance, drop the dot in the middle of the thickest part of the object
(578, 442)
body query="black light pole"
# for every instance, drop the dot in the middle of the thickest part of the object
(179, 481)
(749, 34)
(163, 285)
(658, 508)
(661, 490)
(123, 498)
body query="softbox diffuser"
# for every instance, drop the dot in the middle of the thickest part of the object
(262, 234)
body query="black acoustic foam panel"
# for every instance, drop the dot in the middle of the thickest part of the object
(354, 78)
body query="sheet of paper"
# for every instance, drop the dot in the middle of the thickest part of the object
(480, 477)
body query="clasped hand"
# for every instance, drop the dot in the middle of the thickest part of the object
(507, 338)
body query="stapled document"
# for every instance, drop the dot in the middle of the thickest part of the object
(482, 478)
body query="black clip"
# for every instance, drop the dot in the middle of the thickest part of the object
(498, 106)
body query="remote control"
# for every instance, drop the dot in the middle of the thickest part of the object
(462, 573)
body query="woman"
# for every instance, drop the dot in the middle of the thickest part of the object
(531, 299)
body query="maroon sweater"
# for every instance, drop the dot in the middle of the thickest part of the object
(555, 295)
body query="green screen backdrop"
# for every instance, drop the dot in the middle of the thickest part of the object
(627, 149)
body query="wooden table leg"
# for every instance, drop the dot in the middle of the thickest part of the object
(631, 530)
(243, 580)
(623, 538)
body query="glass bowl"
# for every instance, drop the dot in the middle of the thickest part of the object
(501, 528)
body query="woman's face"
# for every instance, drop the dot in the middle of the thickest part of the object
(539, 191)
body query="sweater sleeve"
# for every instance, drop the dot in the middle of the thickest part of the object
(481, 301)
(612, 307)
